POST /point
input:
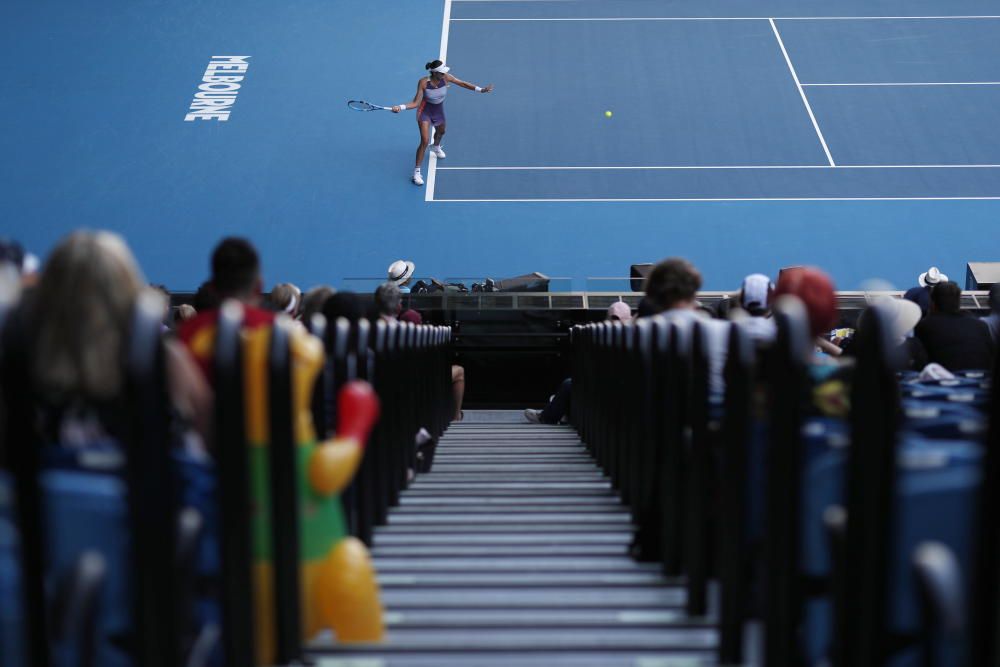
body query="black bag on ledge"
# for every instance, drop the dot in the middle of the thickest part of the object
(530, 282)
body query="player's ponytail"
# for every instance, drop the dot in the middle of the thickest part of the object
(432, 64)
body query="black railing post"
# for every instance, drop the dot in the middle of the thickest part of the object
(789, 391)
(23, 452)
(152, 494)
(697, 513)
(674, 466)
(284, 492)
(733, 561)
(234, 491)
(871, 484)
(984, 641)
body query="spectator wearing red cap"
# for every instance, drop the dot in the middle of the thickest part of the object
(831, 390)
(815, 290)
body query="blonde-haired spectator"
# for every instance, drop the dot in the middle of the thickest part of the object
(79, 321)
(287, 298)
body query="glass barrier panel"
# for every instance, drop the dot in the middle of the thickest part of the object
(623, 284)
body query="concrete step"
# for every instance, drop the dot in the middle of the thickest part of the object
(485, 538)
(512, 551)
(404, 639)
(512, 580)
(533, 598)
(548, 658)
(599, 563)
(498, 518)
(567, 551)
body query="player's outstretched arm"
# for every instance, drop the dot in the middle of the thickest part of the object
(488, 88)
(415, 102)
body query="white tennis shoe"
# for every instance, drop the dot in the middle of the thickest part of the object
(533, 416)
(417, 178)
(438, 151)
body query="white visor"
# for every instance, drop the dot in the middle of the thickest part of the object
(441, 69)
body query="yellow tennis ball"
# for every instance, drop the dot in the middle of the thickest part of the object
(607, 114)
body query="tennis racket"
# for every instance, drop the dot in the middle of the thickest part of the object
(361, 105)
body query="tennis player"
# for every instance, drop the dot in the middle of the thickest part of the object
(429, 103)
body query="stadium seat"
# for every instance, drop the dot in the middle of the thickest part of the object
(12, 631)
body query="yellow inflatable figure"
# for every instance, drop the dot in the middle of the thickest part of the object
(339, 588)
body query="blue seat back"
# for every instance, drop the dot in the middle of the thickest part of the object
(86, 511)
(935, 500)
(12, 629)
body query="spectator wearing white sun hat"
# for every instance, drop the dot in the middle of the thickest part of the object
(921, 294)
(931, 277)
(401, 273)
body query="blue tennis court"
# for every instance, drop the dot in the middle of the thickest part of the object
(861, 137)
(790, 103)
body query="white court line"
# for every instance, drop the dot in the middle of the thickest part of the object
(432, 159)
(731, 167)
(911, 83)
(802, 93)
(729, 199)
(740, 18)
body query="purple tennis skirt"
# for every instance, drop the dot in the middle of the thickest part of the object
(432, 112)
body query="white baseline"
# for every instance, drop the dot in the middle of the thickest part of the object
(745, 166)
(910, 83)
(743, 18)
(432, 159)
(727, 199)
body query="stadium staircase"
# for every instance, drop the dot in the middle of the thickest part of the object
(513, 551)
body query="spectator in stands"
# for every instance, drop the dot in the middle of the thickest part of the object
(388, 304)
(183, 313)
(313, 300)
(11, 260)
(343, 304)
(205, 297)
(901, 316)
(931, 277)
(400, 273)
(815, 289)
(992, 321)
(167, 318)
(921, 294)
(830, 376)
(953, 339)
(457, 372)
(619, 311)
(672, 284)
(22, 266)
(286, 298)
(556, 410)
(411, 316)
(76, 326)
(754, 299)
(671, 290)
(12, 255)
(388, 301)
(236, 276)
